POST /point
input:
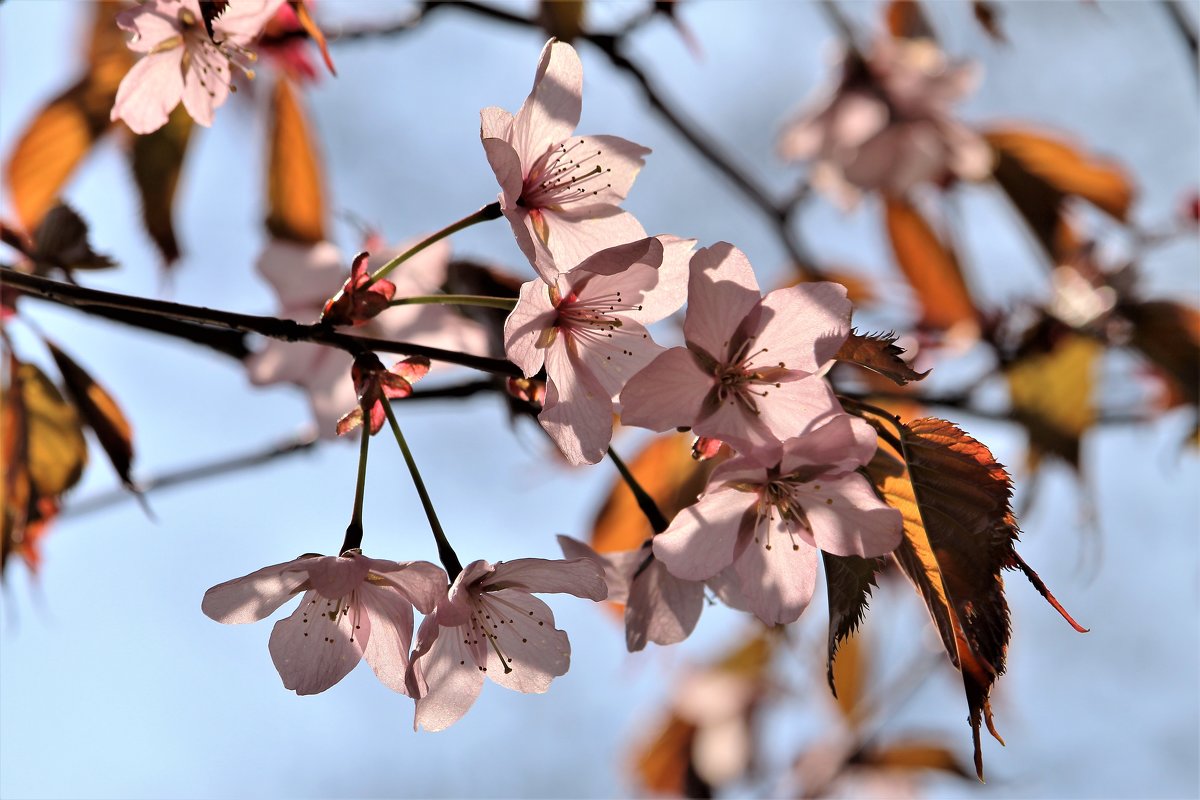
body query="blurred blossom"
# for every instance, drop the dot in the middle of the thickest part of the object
(886, 125)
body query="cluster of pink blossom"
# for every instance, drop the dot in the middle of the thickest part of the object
(750, 373)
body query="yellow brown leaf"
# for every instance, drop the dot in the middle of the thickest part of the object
(930, 266)
(295, 198)
(1051, 395)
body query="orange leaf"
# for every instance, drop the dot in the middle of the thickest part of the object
(101, 413)
(1102, 182)
(63, 132)
(878, 352)
(929, 265)
(157, 160)
(294, 186)
(314, 32)
(959, 533)
(664, 766)
(562, 19)
(906, 20)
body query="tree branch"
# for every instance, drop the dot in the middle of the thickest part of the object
(194, 323)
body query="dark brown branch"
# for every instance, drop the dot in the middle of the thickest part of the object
(1183, 26)
(182, 320)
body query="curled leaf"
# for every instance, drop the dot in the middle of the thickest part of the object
(878, 352)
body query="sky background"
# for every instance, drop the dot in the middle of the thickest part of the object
(113, 684)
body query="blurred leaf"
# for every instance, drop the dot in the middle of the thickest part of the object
(906, 20)
(63, 132)
(100, 412)
(959, 533)
(1102, 182)
(878, 352)
(314, 32)
(929, 265)
(61, 241)
(667, 472)
(912, 755)
(44, 455)
(562, 19)
(294, 192)
(1051, 393)
(1038, 172)
(472, 277)
(1168, 334)
(665, 765)
(157, 160)
(987, 14)
(849, 580)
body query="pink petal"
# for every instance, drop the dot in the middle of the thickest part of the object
(205, 84)
(614, 262)
(777, 583)
(847, 518)
(420, 582)
(803, 326)
(243, 20)
(449, 674)
(391, 634)
(703, 538)
(618, 567)
(153, 23)
(722, 291)
(255, 596)
(619, 161)
(661, 608)
(526, 326)
(793, 408)
(578, 411)
(669, 292)
(670, 392)
(576, 235)
(352, 419)
(318, 644)
(616, 357)
(532, 652)
(746, 431)
(337, 576)
(150, 91)
(551, 111)
(842, 443)
(500, 154)
(580, 577)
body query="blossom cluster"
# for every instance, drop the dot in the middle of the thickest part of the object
(749, 373)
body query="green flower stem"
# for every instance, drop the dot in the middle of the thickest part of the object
(445, 551)
(503, 303)
(657, 519)
(490, 211)
(354, 531)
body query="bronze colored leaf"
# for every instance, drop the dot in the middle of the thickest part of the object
(878, 352)
(959, 533)
(987, 14)
(562, 19)
(294, 185)
(667, 472)
(63, 132)
(906, 20)
(100, 412)
(157, 160)
(912, 755)
(849, 580)
(61, 241)
(1168, 334)
(1051, 395)
(1102, 182)
(929, 265)
(57, 451)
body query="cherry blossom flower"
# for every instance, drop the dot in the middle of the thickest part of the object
(587, 327)
(887, 126)
(353, 607)
(303, 277)
(561, 192)
(181, 62)
(490, 624)
(755, 533)
(750, 374)
(659, 607)
(376, 386)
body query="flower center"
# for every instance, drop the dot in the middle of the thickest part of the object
(594, 319)
(565, 174)
(741, 381)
